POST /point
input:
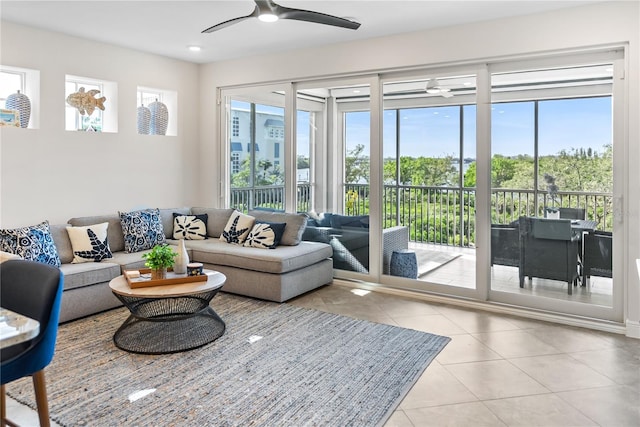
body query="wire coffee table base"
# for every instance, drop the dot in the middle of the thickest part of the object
(168, 324)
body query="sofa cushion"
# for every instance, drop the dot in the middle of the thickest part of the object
(166, 216)
(6, 256)
(339, 221)
(344, 259)
(89, 243)
(141, 229)
(63, 243)
(279, 260)
(266, 235)
(217, 219)
(129, 261)
(189, 227)
(296, 224)
(88, 273)
(114, 230)
(237, 229)
(33, 243)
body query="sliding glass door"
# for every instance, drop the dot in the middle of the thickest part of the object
(339, 206)
(553, 219)
(428, 210)
(493, 183)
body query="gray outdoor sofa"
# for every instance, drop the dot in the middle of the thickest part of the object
(349, 238)
(292, 268)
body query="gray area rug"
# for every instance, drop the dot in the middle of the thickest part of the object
(310, 368)
(429, 260)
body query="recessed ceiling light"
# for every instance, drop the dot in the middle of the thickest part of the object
(467, 83)
(195, 48)
(356, 91)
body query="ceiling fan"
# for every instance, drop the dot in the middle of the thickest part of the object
(269, 11)
(433, 87)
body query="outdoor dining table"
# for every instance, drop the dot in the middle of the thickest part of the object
(583, 225)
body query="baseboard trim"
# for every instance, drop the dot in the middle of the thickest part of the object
(630, 330)
(633, 329)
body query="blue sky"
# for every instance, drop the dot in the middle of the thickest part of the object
(434, 132)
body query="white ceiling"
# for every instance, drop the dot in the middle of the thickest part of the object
(168, 27)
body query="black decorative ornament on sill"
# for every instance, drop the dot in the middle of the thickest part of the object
(20, 102)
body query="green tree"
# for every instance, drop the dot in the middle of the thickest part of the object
(356, 165)
(302, 162)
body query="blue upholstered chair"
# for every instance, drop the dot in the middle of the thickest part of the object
(35, 290)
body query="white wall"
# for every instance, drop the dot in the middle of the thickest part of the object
(49, 173)
(600, 24)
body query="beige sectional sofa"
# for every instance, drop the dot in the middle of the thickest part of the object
(292, 268)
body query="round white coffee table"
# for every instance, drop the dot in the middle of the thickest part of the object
(169, 318)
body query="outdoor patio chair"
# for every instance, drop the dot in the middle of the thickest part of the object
(573, 213)
(505, 245)
(598, 260)
(548, 250)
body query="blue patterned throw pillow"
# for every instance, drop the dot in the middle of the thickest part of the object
(266, 235)
(32, 243)
(142, 229)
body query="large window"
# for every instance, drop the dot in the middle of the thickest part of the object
(27, 82)
(10, 82)
(257, 178)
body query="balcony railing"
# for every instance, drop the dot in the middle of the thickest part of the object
(440, 215)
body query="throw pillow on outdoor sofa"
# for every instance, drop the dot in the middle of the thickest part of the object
(33, 243)
(89, 243)
(190, 227)
(339, 221)
(141, 229)
(237, 228)
(265, 235)
(320, 219)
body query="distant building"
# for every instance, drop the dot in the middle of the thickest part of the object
(269, 137)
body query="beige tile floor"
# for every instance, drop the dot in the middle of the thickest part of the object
(497, 371)
(500, 370)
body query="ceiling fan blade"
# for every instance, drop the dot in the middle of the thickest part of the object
(269, 7)
(317, 17)
(230, 22)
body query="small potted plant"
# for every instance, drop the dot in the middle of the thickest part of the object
(159, 259)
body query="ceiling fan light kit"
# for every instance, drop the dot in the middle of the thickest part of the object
(269, 11)
(268, 17)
